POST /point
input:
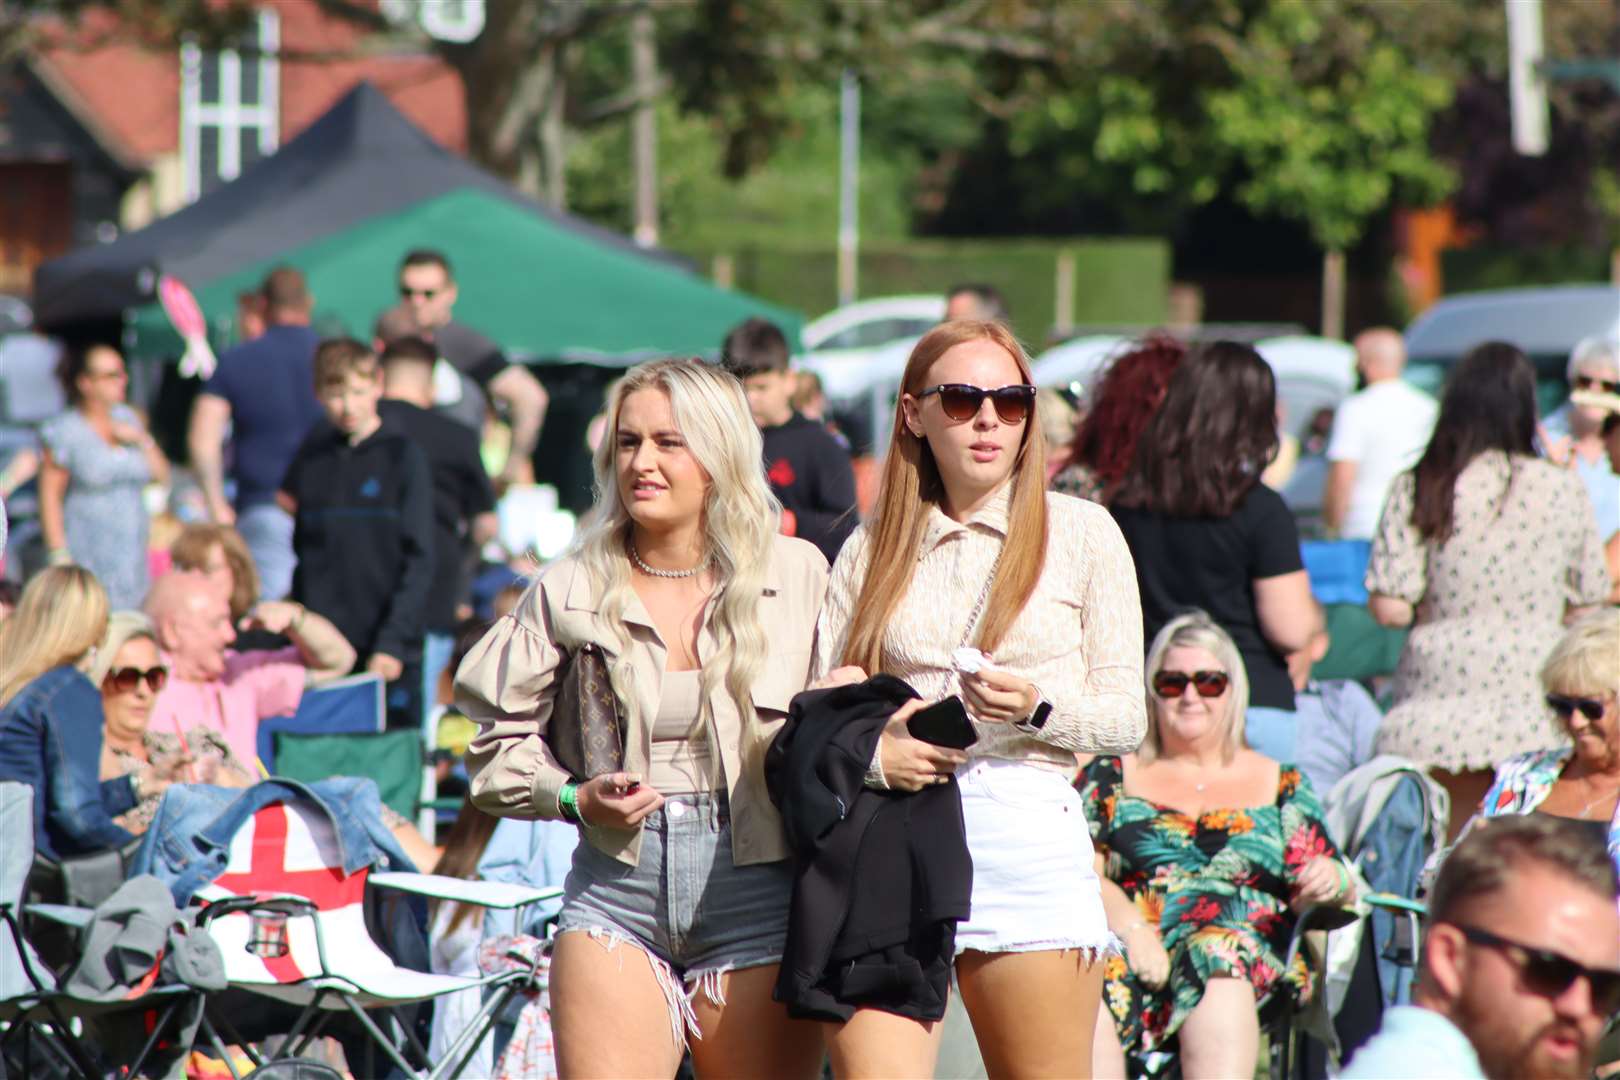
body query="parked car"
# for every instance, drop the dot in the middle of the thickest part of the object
(860, 352)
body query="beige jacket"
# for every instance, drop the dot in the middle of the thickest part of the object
(508, 682)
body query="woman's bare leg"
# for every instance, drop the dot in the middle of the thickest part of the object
(1107, 1055)
(609, 1015)
(1033, 1013)
(875, 1045)
(751, 1035)
(1221, 1037)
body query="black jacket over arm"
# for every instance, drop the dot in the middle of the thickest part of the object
(888, 942)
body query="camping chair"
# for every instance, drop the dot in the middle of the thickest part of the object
(44, 1030)
(353, 705)
(292, 927)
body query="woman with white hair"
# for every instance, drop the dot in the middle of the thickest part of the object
(676, 909)
(1573, 435)
(1207, 850)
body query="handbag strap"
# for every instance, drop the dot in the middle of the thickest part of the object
(984, 595)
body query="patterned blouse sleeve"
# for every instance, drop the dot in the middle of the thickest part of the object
(1587, 577)
(1099, 787)
(1398, 566)
(832, 627)
(1304, 834)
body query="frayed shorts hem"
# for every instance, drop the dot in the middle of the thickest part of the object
(1092, 948)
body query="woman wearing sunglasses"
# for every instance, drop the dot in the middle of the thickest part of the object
(1580, 780)
(131, 673)
(1208, 849)
(963, 527)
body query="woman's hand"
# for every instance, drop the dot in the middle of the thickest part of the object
(127, 433)
(909, 764)
(1145, 952)
(1320, 882)
(996, 697)
(616, 801)
(840, 676)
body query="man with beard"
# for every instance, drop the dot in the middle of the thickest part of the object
(1521, 960)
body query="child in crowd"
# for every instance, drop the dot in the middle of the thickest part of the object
(362, 498)
(808, 469)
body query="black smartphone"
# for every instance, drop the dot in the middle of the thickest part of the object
(944, 723)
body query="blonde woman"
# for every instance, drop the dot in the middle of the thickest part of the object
(963, 525)
(1210, 848)
(51, 720)
(676, 908)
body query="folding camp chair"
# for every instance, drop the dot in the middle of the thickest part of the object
(292, 927)
(45, 1030)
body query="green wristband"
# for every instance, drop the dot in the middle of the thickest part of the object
(568, 802)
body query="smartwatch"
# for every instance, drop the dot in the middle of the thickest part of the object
(1038, 716)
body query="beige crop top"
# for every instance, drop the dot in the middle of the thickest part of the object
(682, 761)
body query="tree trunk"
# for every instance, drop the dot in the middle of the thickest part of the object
(1333, 294)
(644, 127)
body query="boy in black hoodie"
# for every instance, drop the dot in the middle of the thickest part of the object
(807, 467)
(362, 500)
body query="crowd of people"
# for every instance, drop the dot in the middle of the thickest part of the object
(1040, 725)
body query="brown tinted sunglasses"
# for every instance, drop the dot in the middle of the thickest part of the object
(124, 680)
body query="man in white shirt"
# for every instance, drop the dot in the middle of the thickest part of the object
(1378, 433)
(1521, 960)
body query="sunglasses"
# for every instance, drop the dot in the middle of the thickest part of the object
(124, 680)
(407, 293)
(1209, 684)
(962, 402)
(1549, 974)
(1592, 382)
(1591, 708)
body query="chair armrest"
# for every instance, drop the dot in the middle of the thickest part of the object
(223, 903)
(490, 894)
(64, 914)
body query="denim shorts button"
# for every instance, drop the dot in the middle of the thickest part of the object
(675, 809)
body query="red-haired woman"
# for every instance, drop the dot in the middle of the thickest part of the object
(963, 525)
(1126, 398)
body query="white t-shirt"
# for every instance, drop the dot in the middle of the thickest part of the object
(1383, 429)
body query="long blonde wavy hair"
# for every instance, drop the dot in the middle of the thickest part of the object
(740, 518)
(912, 485)
(60, 617)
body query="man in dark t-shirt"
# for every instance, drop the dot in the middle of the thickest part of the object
(427, 290)
(808, 468)
(264, 391)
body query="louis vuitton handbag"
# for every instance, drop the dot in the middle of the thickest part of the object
(586, 733)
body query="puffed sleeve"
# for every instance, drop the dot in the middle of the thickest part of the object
(1399, 564)
(507, 685)
(1587, 575)
(1103, 708)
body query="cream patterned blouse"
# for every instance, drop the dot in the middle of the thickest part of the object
(1079, 640)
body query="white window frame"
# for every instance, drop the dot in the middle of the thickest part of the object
(229, 114)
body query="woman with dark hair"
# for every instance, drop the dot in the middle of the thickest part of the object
(1485, 551)
(98, 457)
(1126, 398)
(1206, 533)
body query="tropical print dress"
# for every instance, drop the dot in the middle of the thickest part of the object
(1216, 886)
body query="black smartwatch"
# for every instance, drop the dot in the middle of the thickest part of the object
(1038, 716)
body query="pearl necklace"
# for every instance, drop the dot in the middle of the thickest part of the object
(654, 572)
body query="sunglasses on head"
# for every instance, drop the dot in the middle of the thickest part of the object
(962, 401)
(1172, 684)
(1548, 973)
(1564, 706)
(406, 292)
(124, 680)
(1592, 382)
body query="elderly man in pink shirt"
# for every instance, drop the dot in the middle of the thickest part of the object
(214, 687)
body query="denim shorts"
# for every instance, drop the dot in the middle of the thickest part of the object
(685, 904)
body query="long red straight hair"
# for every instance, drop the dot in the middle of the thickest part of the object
(912, 487)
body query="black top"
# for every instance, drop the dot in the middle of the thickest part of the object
(809, 471)
(887, 942)
(461, 491)
(364, 537)
(1212, 563)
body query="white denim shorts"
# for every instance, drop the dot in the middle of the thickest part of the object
(1034, 883)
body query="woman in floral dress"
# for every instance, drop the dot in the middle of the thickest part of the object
(1209, 849)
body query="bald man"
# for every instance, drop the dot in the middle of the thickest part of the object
(213, 686)
(1378, 432)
